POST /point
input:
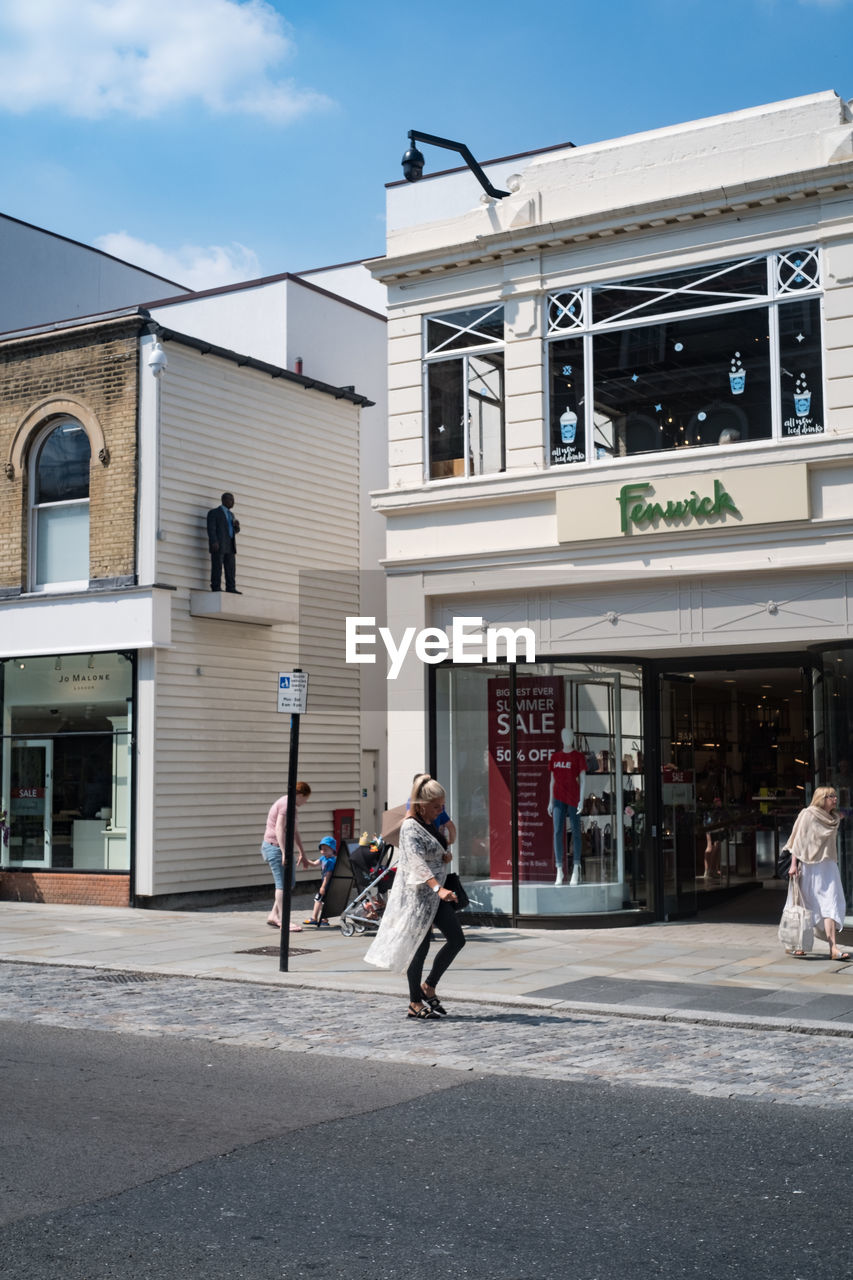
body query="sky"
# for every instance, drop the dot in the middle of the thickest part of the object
(219, 140)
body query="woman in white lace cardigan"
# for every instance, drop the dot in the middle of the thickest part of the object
(417, 901)
(814, 858)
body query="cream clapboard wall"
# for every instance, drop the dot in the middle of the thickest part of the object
(290, 456)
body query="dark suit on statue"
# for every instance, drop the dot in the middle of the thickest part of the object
(223, 548)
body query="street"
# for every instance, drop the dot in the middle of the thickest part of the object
(181, 1128)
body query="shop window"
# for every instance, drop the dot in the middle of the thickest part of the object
(714, 356)
(565, 375)
(65, 761)
(59, 506)
(703, 380)
(465, 392)
(592, 715)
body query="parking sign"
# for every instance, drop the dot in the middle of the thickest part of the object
(292, 692)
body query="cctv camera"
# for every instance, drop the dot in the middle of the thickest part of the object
(157, 361)
(413, 164)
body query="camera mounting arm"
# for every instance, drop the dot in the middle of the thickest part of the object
(413, 161)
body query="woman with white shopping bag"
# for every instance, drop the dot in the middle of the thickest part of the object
(419, 899)
(814, 868)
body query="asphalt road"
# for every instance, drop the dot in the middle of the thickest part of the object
(133, 1157)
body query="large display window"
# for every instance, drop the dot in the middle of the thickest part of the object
(544, 769)
(712, 356)
(65, 763)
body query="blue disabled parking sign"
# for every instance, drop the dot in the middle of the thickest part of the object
(292, 692)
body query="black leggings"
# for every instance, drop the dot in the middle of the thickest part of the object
(445, 920)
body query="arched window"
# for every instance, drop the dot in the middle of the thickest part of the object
(59, 506)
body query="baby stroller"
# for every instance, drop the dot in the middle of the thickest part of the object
(372, 877)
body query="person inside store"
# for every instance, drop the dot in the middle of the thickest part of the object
(272, 850)
(567, 775)
(418, 900)
(222, 530)
(813, 845)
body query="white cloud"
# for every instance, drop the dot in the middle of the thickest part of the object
(191, 265)
(142, 57)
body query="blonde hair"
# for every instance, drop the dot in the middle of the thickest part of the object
(820, 795)
(425, 789)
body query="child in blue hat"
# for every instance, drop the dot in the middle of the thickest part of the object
(326, 863)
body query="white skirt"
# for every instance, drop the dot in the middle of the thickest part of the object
(823, 896)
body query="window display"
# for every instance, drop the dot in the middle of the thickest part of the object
(544, 773)
(66, 761)
(711, 356)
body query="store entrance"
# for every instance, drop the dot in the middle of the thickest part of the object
(735, 770)
(30, 804)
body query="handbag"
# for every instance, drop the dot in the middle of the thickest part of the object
(591, 757)
(796, 932)
(453, 883)
(783, 862)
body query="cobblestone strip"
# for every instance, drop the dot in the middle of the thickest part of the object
(719, 1062)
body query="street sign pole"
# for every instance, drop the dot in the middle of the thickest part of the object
(289, 825)
(292, 693)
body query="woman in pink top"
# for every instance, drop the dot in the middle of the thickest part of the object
(272, 850)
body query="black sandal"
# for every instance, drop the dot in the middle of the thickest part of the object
(422, 1013)
(435, 1004)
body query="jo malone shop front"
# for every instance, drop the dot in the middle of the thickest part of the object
(67, 725)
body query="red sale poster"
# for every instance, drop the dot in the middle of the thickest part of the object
(539, 719)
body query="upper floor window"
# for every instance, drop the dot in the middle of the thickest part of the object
(714, 355)
(59, 506)
(465, 392)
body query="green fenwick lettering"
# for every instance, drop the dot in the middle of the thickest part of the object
(635, 509)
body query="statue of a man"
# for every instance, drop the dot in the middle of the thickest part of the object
(222, 530)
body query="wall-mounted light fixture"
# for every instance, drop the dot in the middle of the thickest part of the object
(413, 161)
(91, 661)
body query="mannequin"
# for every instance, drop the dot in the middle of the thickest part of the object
(567, 769)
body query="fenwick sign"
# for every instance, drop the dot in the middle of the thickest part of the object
(636, 509)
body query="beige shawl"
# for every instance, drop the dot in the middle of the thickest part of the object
(814, 835)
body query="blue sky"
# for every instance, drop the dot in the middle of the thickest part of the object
(215, 140)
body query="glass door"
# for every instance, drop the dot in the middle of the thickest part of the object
(30, 802)
(679, 822)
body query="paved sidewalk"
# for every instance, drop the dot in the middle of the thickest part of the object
(717, 970)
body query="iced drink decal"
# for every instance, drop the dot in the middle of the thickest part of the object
(737, 375)
(568, 426)
(802, 396)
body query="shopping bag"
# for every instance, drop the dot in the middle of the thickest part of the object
(796, 932)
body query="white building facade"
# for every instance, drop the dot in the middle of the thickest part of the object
(621, 419)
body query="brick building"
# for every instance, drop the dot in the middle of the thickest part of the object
(140, 741)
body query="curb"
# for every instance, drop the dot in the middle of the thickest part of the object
(637, 1013)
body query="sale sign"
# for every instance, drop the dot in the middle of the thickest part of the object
(539, 717)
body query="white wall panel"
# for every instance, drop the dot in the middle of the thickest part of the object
(290, 456)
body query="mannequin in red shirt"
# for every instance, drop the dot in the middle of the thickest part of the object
(567, 769)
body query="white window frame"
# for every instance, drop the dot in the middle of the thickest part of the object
(33, 509)
(440, 355)
(580, 298)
